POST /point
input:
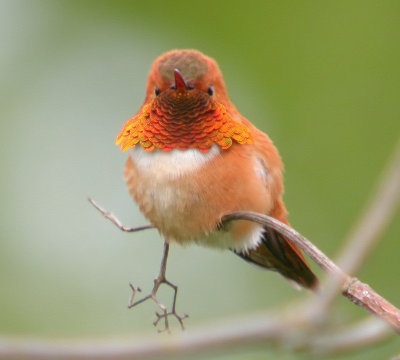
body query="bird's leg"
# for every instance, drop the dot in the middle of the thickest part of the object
(160, 279)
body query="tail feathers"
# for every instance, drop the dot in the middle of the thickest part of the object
(277, 254)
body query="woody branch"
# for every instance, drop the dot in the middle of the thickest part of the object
(359, 293)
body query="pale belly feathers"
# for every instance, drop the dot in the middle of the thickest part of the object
(165, 201)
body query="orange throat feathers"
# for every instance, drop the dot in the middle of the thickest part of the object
(180, 121)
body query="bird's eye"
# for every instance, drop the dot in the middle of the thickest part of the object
(157, 91)
(210, 90)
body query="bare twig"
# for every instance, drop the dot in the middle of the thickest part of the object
(116, 222)
(359, 293)
(362, 295)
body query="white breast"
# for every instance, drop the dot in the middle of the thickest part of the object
(161, 190)
(161, 164)
(163, 196)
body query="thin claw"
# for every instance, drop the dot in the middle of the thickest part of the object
(134, 291)
(180, 319)
(165, 316)
(130, 306)
(166, 325)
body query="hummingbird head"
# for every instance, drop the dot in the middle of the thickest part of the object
(186, 107)
(186, 76)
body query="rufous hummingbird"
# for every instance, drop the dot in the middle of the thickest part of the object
(193, 158)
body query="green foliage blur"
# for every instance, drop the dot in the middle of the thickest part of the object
(322, 78)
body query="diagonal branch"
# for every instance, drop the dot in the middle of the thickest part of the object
(359, 293)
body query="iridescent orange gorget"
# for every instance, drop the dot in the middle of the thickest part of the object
(182, 119)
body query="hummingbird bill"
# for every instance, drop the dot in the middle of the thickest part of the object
(193, 158)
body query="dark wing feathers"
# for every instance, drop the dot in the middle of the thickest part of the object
(275, 253)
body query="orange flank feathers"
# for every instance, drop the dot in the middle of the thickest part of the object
(193, 158)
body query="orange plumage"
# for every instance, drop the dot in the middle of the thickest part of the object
(194, 158)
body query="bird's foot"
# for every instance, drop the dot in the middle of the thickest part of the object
(164, 314)
(160, 279)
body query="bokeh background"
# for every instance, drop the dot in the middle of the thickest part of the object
(321, 77)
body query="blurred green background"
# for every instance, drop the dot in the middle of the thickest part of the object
(322, 78)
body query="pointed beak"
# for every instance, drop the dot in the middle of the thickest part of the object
(180, 83)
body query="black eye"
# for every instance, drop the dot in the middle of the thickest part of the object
(157, 91)
(210, 90)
